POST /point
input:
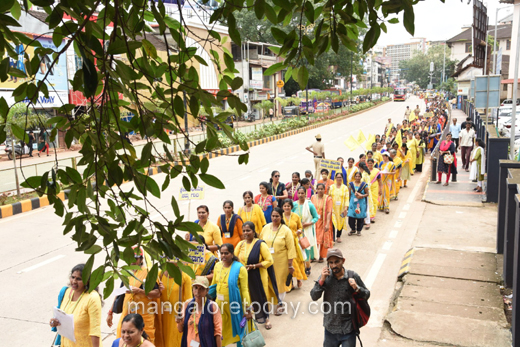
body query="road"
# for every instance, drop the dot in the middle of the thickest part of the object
(38, 258)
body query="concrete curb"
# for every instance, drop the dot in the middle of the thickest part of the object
(26, 205)
(405, 265)
(35, 203)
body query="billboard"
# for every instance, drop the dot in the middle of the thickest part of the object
(56, 75)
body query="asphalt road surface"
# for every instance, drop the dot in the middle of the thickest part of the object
(37, 258)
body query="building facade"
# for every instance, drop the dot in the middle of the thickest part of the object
(400, 52)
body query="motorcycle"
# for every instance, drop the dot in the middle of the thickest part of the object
(18, 150)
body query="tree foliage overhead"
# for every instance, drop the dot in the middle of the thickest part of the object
(104, 217)
(418, 67)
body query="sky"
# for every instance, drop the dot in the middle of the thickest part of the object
(438, 21)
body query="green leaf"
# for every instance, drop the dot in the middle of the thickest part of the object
(96, 278)
(153, 187)
(409, 19)
(149, 48)
(393, 21)
(32, 182)
(303, 76)
(95, 249)
(232, 29)
(19, 133)
(6, 5)
(175, 207)
(87, 269)
(211, 180)
(109, 287)
(90, 77)
(16, 10)
(151, 278)
(278, 34)
(274, 69)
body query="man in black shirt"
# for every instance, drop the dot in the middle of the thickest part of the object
(337, 289)
(468, 119)
(31, 142)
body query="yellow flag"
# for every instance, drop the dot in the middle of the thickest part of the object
(370, 141)
(351, 143)
(361, 137)
(399, 139)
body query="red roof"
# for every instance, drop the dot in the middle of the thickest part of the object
(509, 81)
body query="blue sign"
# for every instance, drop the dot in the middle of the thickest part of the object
(57, 74)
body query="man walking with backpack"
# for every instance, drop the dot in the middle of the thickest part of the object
(345, 301)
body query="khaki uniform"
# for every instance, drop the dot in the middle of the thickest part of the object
(319, 148)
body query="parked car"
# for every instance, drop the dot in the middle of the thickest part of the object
(505, 128)
(509, 102)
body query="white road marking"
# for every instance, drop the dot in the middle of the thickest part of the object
(293, 157)
(387, 245)
(398, 224)
(411, 198)
(264, 169)
(374, 270)
(406, 207)
(48, 261)
(402, 215)
(244, 178)
(393, 234)
(280, 162)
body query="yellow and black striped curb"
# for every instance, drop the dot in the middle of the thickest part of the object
(405, 265)
(26, 205)
(34, 203)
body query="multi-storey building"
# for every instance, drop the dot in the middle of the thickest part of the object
(400, 52)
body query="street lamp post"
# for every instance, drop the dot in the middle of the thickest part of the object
(495, 41)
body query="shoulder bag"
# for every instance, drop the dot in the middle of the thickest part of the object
(252, 338)
(448, 159)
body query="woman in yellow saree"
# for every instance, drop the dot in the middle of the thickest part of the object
(137, 301)
(340, 200)
(387, 174)
(294, 222)
(412, 148)
(375, 188)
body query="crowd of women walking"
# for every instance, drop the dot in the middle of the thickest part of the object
(256, 254)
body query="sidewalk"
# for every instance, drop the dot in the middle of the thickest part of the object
(449, 290)
(459, 193)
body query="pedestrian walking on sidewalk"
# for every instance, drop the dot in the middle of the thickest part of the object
(31, 142)
(447, 160)
(467, 136)
(478, 164)
(455, 130)
(318, 149)
(42, 143)
(339, 286)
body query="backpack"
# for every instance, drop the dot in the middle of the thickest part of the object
(360, 310)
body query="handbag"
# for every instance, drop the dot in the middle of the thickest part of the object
(448, 159)
(118, 303)
(252, 338)
(304, 242)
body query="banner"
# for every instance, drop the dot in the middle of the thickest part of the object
(195, 194)
(351, 143)
(56, 76)
(197, 255)
(330, 165)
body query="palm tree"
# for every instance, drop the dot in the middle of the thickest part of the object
(264, 106)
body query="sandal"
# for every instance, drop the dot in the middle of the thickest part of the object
(338, 240)
(279, 310)
(446, 184)
(351, 233)
(308, 271)
(300, 283)
(387, 211)
(438, 182)
(321, 260)
(358, 233)
(268, 326)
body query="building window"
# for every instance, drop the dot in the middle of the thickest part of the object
(504, 87)
(468, 47)
(508, 45)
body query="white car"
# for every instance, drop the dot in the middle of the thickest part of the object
(2, 148)
(505, 130)
(509, 102)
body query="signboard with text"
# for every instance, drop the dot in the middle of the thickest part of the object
(197, 255)
(195, 194)
(330, 165)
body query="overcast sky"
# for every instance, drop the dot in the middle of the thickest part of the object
(435, 20)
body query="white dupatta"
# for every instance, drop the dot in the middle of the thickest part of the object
(474, 165)
(309, 231)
